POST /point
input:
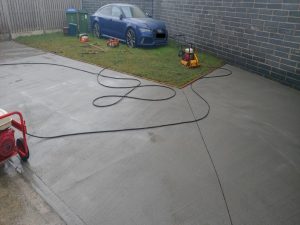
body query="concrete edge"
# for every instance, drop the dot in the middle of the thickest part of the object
(58, 205)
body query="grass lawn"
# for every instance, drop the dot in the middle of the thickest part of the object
(159, 64)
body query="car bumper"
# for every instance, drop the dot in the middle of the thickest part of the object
(153, 38)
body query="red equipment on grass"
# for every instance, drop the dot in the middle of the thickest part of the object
(113, 42)
(8, 145)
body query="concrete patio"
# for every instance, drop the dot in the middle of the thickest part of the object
(161, 176)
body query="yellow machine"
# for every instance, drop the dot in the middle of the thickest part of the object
(189, 57)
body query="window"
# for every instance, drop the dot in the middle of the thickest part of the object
(105, 11)
(116, 12)
(133, 12)
(127, 11)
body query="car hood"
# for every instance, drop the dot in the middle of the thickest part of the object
(148, 22)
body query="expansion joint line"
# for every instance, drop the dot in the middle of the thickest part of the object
(211, 159)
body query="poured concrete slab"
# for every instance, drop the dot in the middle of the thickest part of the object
(165, 175)
(10, 50)
(253, 134)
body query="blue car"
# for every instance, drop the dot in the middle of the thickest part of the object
(129, 24)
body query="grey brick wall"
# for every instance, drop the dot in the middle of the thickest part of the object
(262, 36)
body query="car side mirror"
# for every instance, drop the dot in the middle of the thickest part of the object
(121, 17)
(148, 14)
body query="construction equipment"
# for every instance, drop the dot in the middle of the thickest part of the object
(8, 145)
(83, 38)
(113, 42)
(189, 56)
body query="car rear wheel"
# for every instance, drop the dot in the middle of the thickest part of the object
(130, 38)
(97, 30)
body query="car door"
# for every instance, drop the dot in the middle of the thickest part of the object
(105, 17)
(118, 25)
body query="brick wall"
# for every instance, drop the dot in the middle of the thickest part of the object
(262, 36)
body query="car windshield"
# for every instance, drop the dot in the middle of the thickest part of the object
(133, 12)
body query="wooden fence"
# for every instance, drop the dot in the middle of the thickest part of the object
(33, 16)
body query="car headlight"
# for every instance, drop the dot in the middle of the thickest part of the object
(143, 30)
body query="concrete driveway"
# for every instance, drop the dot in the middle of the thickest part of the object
(164, 176)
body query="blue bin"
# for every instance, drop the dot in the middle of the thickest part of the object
(71, 15)
(72, 29)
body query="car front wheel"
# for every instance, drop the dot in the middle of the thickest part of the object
(130, 38)
(97, 30)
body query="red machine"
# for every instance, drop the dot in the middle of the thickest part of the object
(113, 42)
(8, 145)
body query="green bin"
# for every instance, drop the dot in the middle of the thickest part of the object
(79, 17)
(83, 21)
